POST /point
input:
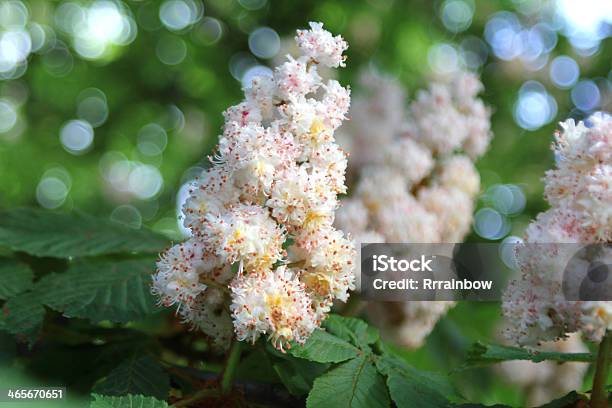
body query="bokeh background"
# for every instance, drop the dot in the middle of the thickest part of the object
(110, 107)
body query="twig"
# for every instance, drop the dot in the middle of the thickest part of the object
(599, 394)
(198, 395)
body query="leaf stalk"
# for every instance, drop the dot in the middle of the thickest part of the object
(231, 365)
(599, 394)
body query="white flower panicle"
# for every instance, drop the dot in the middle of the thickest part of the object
(579, 190)
(413, 167)
(274, 180)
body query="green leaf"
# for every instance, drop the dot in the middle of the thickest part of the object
(372, 335)
(8, 349)
(45, 233)
(81, 366)
(118, 291)
(137, 375)
(411, 387)
(345, 327)
(128, 401)
(23, 316)
(298, 375)
(354, 383)
(351, 329)
(104, 290)
(324, 347)
(256, 365)
(482, 354)
(15, 278)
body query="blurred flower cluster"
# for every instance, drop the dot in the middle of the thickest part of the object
(266, 207)
(580, 193)
(414, 174)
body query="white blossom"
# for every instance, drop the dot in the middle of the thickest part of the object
(380, 185)
(412, 160)
(452, 209)
(245, 234)
(352, 216)
(408, 221)
(254, 154)
(335, 104)
(273, 303)
(209, 315)
(449, 116)
(332, 160)
(179, 272)
(213, 192)
(597, 317)
(242, 114)
(321, 46)
(260, 96)
(329, 265)
(295, 78)
(302, 195)
(459, 172)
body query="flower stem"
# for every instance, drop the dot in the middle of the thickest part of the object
(599, 395)
(231, 364)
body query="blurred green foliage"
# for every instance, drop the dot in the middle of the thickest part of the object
(394, 36)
